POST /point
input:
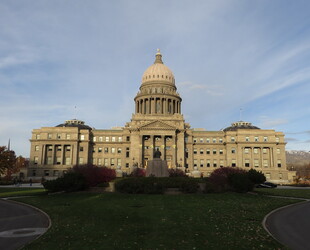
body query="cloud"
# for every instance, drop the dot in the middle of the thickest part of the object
(290, 139)
(267, 122)
(209, 89)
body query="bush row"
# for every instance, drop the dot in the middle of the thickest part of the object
(154, 185)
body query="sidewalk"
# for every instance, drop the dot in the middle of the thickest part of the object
(23, 185)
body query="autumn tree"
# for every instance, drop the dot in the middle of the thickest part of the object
(7, 160)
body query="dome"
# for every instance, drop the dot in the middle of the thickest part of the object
(74, 123)
(240, 125)
(158, 72)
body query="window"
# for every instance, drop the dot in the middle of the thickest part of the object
(214, 140)
(100, 150)
(208, 163)
(49, 148)
(106, 150)
(214, 151)
(82, 137)
(265, 138)
(256, 139)
(49, 136)
(255, 150)
(280, 176)
(113, 150)
(58, 136)
(208, 151)
(58, 148)
(201, 163)
(36, 160)
(265, 163)
(81, 160)
(100, 138)
(36, 148)
(113, 138)
(56, 173)
(208, 140)
(195, 151)
(186, 139)
(214, 164)
(221, 151)
(107, 139)
(46, 172)
(232, 139)
(221, 163)
(99, 161)
(201, 151)
(278, 151)
(247, 163)
(68, 160)
(267, 176)
(81, 149)
(49, 160)
(119, 162)
(168, 148)
(201, 139)
(119, 150)
(106, 162)
(195, 140)
(37, 137)
(279, 163)
(34, 172)
(127, 138)
(68, 148)
(277, 139)
(120, 138)
(112, 162)
(246, 150)
(220, 140)
(233, 150)
(94, 138)
(256, 163)
(195, 162)
(264, 150)
(68, 136)
(233, 163)
(247, 138)
(127, 165)
(58, 160)
(127, 154)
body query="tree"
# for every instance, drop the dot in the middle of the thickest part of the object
(7, 160)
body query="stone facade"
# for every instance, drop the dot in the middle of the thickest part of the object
(158, 124)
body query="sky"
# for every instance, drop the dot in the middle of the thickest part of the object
(232, 60)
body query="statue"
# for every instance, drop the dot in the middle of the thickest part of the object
(157, 154)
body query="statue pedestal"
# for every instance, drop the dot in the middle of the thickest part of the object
(157, 168)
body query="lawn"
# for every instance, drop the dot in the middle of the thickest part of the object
(299, 193)
(16, 191)
(119, 221)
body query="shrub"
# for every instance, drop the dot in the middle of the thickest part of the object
(240, 182)
(175, 172)
(155, 185)
(219, 178)
(256, 177)
(137, 185)
(95, 175)
(138, 172)
(70, 182)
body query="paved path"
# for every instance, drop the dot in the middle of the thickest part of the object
(291, 225)
(20, 224)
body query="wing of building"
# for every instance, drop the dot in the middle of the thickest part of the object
(158, 124)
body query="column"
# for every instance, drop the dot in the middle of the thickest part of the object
(153, 146)
(150, 106)
(164, 153)
(174, 151)
(43, 155)
(153, 105)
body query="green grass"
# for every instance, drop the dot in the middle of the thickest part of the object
(120, 221)
(299, 193)
(16, 192)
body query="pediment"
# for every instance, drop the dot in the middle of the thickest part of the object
(157, 125)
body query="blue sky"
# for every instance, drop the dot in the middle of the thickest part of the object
(225, 55)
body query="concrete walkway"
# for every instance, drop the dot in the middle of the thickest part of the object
(20, 224)
(290, 225)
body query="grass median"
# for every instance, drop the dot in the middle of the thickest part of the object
(120, 221)
(17, 191)
(298, 193)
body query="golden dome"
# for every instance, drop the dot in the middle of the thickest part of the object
(158, 72)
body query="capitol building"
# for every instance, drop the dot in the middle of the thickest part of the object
(158, 123)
